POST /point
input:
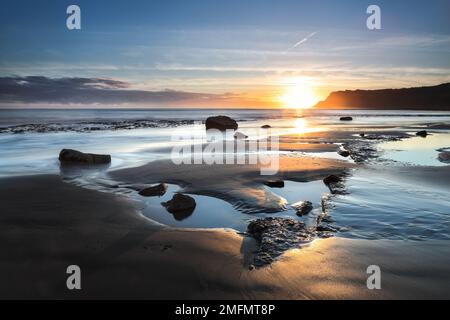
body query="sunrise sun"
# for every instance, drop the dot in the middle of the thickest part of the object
(298, 94)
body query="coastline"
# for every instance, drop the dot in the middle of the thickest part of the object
(124, 255)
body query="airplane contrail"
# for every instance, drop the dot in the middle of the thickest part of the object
(301, 41)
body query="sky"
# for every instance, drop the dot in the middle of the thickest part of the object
(234, 53)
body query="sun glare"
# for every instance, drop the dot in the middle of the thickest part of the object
(298, 95)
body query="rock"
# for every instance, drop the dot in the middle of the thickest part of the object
(181, 206)
(332, 179)
(276, 235)
(70, 156)
(274, 183)
(302, 207)
(326, 228)
(343, 153)
(266, 126)
(335, 184)
(346, 118)
(158, 190)
(362, 134)
(240, 135)
(444, 156)
(221, 123)
(422, 133)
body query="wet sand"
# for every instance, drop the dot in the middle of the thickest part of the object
(47, 224)
(240, 185)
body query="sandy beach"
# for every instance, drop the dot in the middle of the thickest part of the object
(48, 224)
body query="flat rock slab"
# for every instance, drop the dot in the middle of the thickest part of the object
(275, 236)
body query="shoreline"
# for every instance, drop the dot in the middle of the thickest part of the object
(123, 255)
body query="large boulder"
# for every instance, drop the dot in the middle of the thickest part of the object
(181, 206)
(70, 156)
(221, 123)
(153, 191)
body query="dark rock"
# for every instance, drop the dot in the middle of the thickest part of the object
(221, 123)
(266, 126)
(335, 184)
(240, 135)
(274, 183)
(181, 206)
(346, 118)
(276, 235)
(68, 156)
(326, 228)
(422, 133)
(332, 179)
(302, 207)
(153, 191)
(343, 153)
(362, 134)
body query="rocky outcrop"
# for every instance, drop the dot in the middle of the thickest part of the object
(276, 235)
(221, 123)
(70, 156)
(419, 98)
(154, 191)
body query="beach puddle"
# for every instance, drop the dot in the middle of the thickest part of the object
(416, 150)
(211, 212)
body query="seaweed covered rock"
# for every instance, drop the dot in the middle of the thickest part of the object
(275, 236)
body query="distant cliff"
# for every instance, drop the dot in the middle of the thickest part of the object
(419, 98)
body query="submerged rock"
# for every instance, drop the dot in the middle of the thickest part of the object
(346, 118)
(302, 207)
(240, 135)
(444, 156)
(275, 183)
(221, 123)
(158, 190)
(276, 235)
(68, 156)
(422, 133)
(181, 206)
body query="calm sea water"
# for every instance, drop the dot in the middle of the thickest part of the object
(370, 210)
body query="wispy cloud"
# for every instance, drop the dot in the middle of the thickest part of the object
(301, 41)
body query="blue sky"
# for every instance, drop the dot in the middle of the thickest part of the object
(230, 53)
